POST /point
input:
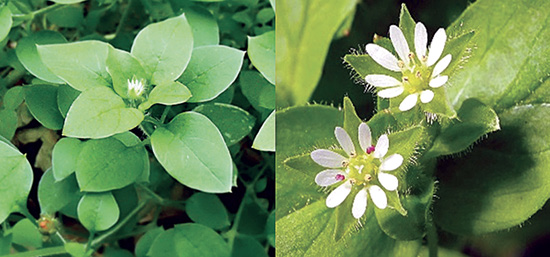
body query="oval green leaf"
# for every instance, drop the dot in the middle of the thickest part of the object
(28, 54)
(265, 139)
(110, 163)
(80, 64)
(261, 50)
(99, 113)
(188, 240)
(64, 156)
(233, 122)
(164, 49)
(211, 71)
(42, 103)
(193, 151)
(5, 22)
(53, 196)
(98, 211)
(168, 93)
(16, 179)
(208, 210)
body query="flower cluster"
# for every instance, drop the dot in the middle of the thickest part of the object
(136, 87)
(418, 78)
(365, 170)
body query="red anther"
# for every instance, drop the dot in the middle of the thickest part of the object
(370, 149)
(340, 177)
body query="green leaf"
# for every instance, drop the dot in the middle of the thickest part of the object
(265, 139)
(13, 98)
(145, 242)
(208, 210)
(65, 98)
(259, 92)
(508, 62)
(164, 48)
(28, 54)
(42, 103)
(25, 233)
(474, 120)
(76, 249)
(68, 1)
(192, 150)
(64, 157)
(123, 67)
(5, 21)
(270, 229)
(16, 177)
(186, 240)
(204, 26)
(503, 181)
(111, 163)
(108, 116)
(69, 16)
(98, 211)
(5, 243)
(261, 50)
(211, 71)
(54, 195)
(233, 122)
(247, 246)
(80, 64)
(8, 119)
(168, 93)
(303, 39)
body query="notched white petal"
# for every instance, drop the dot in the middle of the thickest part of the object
(391, 92)
(441, 65)
(379, 80)
(344, 140)
(378, 197)
(388, 181)
(328, 177)
(439, 81)
(339, 194)
(393, 162)
(327, 158)
(420, 39)
(365, 139)
(426, 96)
(409, 102)
(382, 146)
(359, 204)
(399, 43)
(383, 57)
(436, 47)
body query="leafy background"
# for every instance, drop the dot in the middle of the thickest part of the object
(330, 81)
(239, 223)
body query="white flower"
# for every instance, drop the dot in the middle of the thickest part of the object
(358, 170)
(418, 76)
(136, 87)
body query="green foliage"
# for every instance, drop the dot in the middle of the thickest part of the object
(98, 211)
(189, 240)
(265, 140)
(261, 50)
(16, 178)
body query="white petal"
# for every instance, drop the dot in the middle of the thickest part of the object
(438, 81)
(420, 40)
(327, 158)
(391, 92)
(382, 57)
(359, 204)
(441, 65)
(426, 96)
(409, 102)
(399, 43)
(344, 140)
(364, 136)
(328, 177)
(436, 47)
(388, 181)
(378, 197)
(382, 146)
(339, 194)
(379, 80)
(393, 162)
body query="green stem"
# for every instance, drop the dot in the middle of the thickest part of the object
(164, 114)
(41, 252)
(432, 238)
(118, 226)
(28, 215)
(46, 9)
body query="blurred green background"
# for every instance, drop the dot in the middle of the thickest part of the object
(374, 17)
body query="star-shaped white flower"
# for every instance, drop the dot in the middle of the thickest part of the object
(418, 78)
(358, 170)
(136, 87)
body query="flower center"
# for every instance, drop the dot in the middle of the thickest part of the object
(362, 169)
(417, 77)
